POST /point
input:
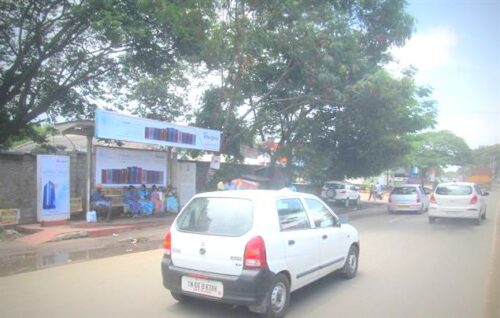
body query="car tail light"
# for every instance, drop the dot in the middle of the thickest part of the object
(433, 198)
(473, 200)
(167, 243)
(255, 254)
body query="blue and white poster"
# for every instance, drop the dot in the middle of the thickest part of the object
(53, 190)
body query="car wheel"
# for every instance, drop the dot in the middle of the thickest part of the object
(278, 297)
(331, 193)
(179, 297)
(478, 220)
(358, 202)
(346, 203)
(351, 263)
(484, 215)
(432, 219)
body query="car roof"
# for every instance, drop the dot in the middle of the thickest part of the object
(335, 181)
(407, 185)
(456, 183)
(254, 194)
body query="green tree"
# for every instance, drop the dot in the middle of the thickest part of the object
(437, 149)
(369, 133)
(60, 57)
(310, 74)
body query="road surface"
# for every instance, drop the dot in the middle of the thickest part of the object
(408, 268)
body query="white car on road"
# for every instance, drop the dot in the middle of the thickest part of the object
(340, 191)
(254, 247)
(463, 200)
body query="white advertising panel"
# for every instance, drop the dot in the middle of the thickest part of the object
(116, 167)
(187, 181)
(111, 125)
(53, 188)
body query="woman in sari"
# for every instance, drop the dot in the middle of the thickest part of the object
(131, 199)
(147, 206)
(156, 199)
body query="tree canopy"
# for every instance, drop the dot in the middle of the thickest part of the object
(438, 149)
(60, 57)
(307, 73)
(311, 75)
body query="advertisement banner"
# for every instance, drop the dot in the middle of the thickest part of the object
(53, 188)
(9, 216)
(111, 125)
(117, 167)
(187, 181)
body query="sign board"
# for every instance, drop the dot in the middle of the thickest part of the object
(9, 216)
(53, 188)
(187, 181)
(117, 167)
(111, 125)
(215, 163)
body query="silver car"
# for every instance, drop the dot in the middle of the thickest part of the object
(408, 198)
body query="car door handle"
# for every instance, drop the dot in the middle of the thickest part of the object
(324, 237)
(291, 242)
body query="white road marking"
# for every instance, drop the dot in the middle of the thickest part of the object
(395, 219)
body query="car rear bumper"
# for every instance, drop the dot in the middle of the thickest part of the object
(459, 214)
(405, 207)
(247, 289)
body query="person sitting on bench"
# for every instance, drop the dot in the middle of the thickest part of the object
(100, 202)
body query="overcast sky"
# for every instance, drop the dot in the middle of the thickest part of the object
(456, 48)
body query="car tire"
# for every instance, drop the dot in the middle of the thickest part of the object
(179, 297)
(277, 298)
(346, 203)
(358, 202)
(331, 193)
(478, 220)
(432, 219)
(351, 263)
(483, 217)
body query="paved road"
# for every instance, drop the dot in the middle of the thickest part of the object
(409, 268)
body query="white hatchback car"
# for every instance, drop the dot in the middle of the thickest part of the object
(463, 200)
(254, 247)
(340, 191)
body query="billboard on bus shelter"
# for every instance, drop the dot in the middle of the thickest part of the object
(112, 125)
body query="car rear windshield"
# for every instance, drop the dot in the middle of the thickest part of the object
(454, 190)
(404, 190)
(336, 186)
(217, 216)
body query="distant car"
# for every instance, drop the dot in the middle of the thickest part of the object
(341, 191)
(254, 247)
(463, 200)
(408, 198)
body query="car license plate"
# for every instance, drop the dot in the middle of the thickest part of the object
(202, 286)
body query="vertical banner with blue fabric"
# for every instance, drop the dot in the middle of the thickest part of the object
(53, 188)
